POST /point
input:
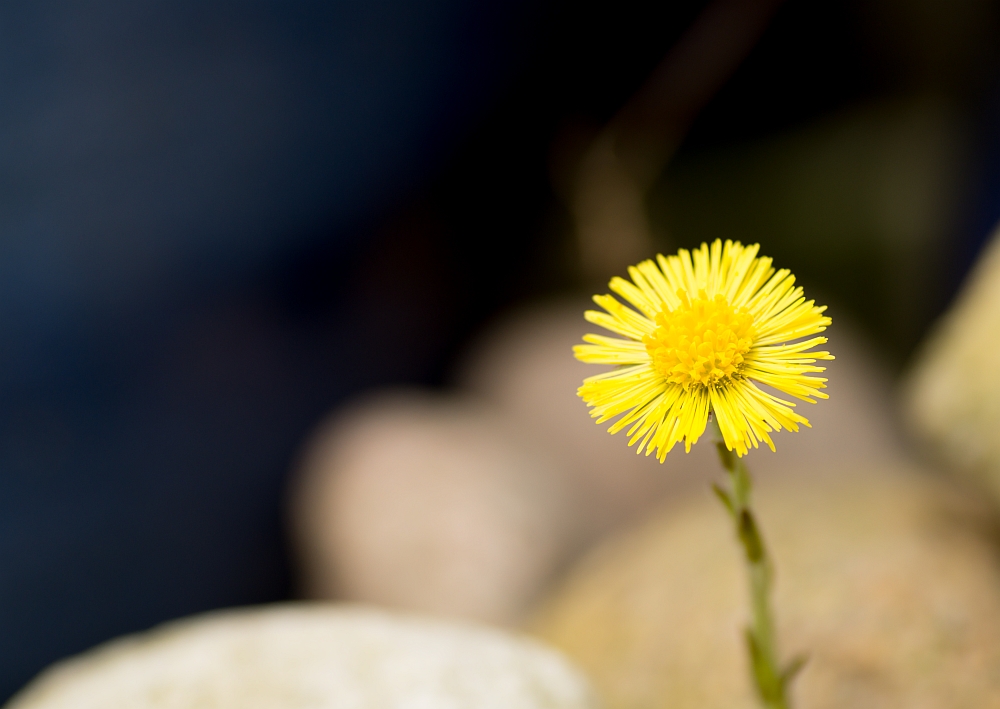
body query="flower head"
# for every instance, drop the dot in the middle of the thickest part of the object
(705, 327)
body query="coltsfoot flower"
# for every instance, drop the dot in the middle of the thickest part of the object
(705, 327)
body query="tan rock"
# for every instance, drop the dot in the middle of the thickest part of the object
(952, 397)
(311, 657)
(885, 578)
(524, 367)
(468, 505)
(424, 503)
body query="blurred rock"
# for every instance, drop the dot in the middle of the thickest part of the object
(315, 657)
(952, 395)
(469, 505)
(887, 580)
(426, 503)
(524, 366)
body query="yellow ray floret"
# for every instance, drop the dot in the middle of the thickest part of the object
(701, 329)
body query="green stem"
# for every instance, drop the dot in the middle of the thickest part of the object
(771, 681)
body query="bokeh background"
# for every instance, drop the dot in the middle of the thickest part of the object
(221, 220)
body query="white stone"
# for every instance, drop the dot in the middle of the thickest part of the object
(309, 656)
(424, 503)
(524, 367)
(468, 504)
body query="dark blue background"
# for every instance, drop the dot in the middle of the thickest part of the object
(168, 172)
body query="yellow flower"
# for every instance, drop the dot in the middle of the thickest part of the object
(706, 328)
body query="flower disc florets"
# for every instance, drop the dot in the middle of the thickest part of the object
(702, 342)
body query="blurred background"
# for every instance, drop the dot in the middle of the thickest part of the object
(220, 221)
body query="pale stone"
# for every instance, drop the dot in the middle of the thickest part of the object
(311, 657)
(953, 391)
(422, 502)
(885, 579)
(524, 367)
(468, 504)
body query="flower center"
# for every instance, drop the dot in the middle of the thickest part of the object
(702, 342)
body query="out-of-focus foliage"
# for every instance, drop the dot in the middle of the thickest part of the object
(859, 204)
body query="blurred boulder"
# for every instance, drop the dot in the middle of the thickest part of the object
(426, 502)
(468, 504)
(524, 367)
(952, 395)
(315, 656)
(887, 580)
